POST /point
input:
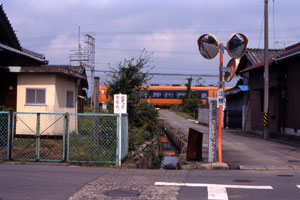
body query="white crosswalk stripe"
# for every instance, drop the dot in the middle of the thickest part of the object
(215, 191)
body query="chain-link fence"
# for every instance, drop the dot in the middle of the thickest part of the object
(70, 137)
(38, 136)
(93, 138)
(4, 134)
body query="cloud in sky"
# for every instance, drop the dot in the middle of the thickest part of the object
(168, 28)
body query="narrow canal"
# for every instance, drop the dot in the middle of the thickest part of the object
(170, 160)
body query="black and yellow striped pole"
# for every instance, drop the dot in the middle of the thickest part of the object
(266, 119)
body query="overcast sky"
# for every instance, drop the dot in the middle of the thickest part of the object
(168, 28)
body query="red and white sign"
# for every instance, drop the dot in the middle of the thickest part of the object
(120, 103)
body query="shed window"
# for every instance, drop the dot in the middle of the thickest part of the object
(70, 99)
(36, 96)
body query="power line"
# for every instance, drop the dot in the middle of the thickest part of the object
(168, 74)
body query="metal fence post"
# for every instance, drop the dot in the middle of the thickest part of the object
(120, 140)
(38, 140)
(10, 131)
(117, 149)
(66, 138)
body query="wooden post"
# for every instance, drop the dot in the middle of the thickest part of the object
(96, 111)
(266, 69)
(96, 94)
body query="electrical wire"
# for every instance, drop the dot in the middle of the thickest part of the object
(273, 13)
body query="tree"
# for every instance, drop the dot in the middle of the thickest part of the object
(191, 101)
(129, 78)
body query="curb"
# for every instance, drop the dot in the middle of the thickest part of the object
(268, 168)
(36, 163)
(206, 166)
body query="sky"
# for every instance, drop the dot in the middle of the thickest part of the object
(168, 29)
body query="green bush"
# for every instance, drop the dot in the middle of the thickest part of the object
(129, 78)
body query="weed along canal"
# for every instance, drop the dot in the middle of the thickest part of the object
(170, 159)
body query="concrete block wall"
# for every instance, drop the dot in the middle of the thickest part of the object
(203, 115)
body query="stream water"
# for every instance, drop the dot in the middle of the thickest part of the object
(170, 160)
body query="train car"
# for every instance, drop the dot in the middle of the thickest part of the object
(103, 93)
(168, 95)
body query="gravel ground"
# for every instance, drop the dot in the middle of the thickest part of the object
(140, 185)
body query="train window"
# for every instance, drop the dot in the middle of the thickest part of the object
(157, 95)
(203, 95)
(180, 94)
(169, 95)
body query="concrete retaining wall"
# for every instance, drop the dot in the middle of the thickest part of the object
(179, 139)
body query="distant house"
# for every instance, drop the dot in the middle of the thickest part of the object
(284, 98)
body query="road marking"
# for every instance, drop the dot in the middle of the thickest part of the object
(298, 186)
(216, 191)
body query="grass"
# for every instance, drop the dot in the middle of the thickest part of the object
(183, 114)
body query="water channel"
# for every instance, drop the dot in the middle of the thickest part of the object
(170, 160)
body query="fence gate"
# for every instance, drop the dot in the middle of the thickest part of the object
(4, 135)
(38, 136)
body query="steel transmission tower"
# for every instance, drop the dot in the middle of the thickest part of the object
(85, 56)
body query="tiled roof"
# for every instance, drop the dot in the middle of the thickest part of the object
(288, 55)
(26, 53)
(8, 35)
(256, 56)
(73, 71)
(10, 43)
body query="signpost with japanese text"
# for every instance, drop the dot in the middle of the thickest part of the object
(120, 106)
(120, 103)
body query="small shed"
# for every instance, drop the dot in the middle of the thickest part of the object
(51, 88)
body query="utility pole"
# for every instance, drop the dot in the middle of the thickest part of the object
(266, 83)
(96, 118)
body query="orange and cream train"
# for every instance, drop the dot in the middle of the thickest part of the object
(169, 95)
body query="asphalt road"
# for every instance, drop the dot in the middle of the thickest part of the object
(44, 181)
(242, 149)
(65, 182)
